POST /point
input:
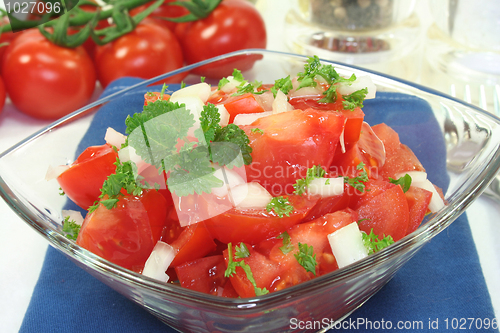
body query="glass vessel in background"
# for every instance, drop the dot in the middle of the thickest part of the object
(374, 34)
(462, 46)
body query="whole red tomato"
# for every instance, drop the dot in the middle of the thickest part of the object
(44, 80)
(3, 95)
(149, 50)
(233, 25)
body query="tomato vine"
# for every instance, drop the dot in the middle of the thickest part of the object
(57, 29)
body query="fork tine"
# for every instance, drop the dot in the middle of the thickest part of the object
(467, 94)
(496, 100)
(453, 91)
(483, 104)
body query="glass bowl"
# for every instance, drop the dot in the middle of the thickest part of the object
(462, 158)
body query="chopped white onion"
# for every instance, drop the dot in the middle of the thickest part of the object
(265, 100)
(248, 118)
(326, 187)
(230, 179)
(194, 104)
(360, 83)
(55, 171)
(341, 138)
(158, 261)
(281, 104)
(114, 137)
(73, 215)
(224, 115)
(347, 245)
(231, 85)
(306, 92)
(201, 90)
(416, 176)
(436, 202)
(371, 144)
(129, 154)
(250, 195)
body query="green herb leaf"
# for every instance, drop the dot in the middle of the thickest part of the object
(222, 83)
(403, 181)
(280, 205)
(233, 142)
(314, 68)
(150, 111)
(241, 251)
(358, 182)
(287, 243)
(284, 84)
(373, 244)
(70, 228)
(209, 121)
(355, 99)
(231, 267)
(257, 130)
(306, 258)
(301, 185)
(194, 174)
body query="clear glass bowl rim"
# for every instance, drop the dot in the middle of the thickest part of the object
(411, 242)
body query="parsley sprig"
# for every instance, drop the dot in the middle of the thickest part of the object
(124, 178)
(314, 68)
(403, 181)
(159, 135)
(374, 244)
(242, 252)
(306, 258)
(301, 185)
(70, 228)
(284, 84)
(358, 182)
(244, 86)
(355, 99)
(287, 246)
(280, 206)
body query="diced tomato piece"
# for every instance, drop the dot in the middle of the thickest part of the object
(205, 275)
(151, 97)
(83, 180)
(313, 234)
(195, 241)
(399, 157)
(254, 225)
(418, 204)
(172, 228)
(124, 234)
(387, 213)
(373, 187)
(229, 290)
(245, 103)
(217, 96)
(290, 143)
(328, 205)
(354, 119)
(263, 269)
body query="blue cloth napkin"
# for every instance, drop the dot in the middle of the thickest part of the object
(437, 290)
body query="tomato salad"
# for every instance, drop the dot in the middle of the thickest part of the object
(244, 189)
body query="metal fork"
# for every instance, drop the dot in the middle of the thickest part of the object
(491, 105)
